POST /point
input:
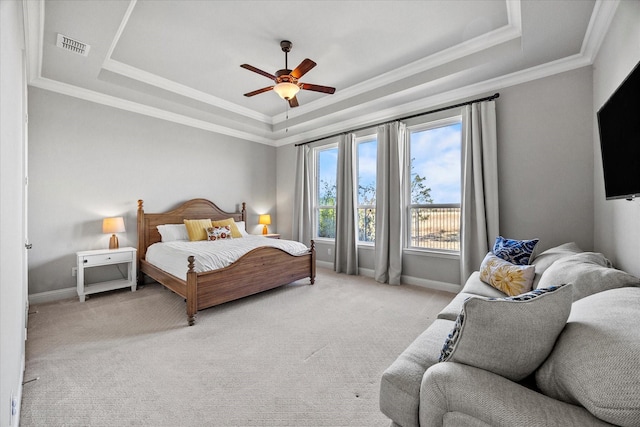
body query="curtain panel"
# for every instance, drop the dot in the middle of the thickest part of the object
(392, 143)
(479, 219)
(302, 198)
(346, 249)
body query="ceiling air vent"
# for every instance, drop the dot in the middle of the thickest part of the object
(72, 45)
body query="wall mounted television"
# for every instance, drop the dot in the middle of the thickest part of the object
(619, 128)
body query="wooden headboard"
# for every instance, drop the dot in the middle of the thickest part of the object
(193, 209)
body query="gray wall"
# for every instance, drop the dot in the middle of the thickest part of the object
(89, 161)
(12, 251)
(545, 175)
(617, 222)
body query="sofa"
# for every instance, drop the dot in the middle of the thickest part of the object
(564, 353)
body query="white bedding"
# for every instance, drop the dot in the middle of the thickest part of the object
(172, 256)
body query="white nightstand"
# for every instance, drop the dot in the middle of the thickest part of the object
(88, 259)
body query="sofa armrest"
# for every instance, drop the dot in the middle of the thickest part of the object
(491, 399)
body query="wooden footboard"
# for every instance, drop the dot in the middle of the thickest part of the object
(257, 271)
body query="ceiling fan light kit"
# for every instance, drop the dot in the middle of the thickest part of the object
(287, 85)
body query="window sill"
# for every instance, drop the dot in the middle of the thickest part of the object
(431, 253)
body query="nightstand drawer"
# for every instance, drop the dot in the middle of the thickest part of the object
(109, 258)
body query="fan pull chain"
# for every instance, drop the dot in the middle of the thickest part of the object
(286, 121)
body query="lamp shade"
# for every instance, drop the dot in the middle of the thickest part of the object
(113, 225)
(265, 219)
(286, 90)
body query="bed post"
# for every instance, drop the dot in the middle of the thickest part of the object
(244, 213)
(313, 262)
(192, 292)
(141, 242)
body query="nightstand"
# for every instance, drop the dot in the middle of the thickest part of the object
(271, 236)
(88, 259)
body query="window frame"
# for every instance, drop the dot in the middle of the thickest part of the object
(316, 207)
(370, 137)
(421, 127)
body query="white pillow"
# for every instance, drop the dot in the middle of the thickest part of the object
(242, 228)
(173, 232)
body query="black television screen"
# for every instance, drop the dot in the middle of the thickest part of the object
(619, 127)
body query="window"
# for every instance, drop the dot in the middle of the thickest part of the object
(435, 186)
(325, 190)
(367, 152)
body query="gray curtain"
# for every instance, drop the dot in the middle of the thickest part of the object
(479, 219)
(392, 143)
(346, 251)
(302, 197)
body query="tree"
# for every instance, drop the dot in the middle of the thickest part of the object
(327, 216)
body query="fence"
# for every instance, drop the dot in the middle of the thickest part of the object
(435, 226)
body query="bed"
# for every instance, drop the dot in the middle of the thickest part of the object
(258, 270)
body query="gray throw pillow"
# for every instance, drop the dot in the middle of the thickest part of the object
(508, 336)
(551, 255)
(595, 361)
(589, 272)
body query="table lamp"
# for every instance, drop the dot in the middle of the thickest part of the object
(265, 220)
(112, 226)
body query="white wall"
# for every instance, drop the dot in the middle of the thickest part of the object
(89, 161)
(12, 286)
(545, 175)
(617, 222)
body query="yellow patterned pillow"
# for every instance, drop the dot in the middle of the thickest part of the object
(507, 277)
(235, 233)
(197, 228)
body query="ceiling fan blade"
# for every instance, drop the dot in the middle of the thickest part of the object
(317, 88)
(303, 68)
(259, 71)
(259, 91)
(293, 102)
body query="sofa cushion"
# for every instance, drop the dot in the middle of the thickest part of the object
(508, 336)
(400, 384)
(512, 279)
(515, 251)
(475, 286)
(544, 260)
(595, 362)
(589, 272)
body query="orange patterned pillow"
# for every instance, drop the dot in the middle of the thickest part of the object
(231, 223)
(219, 233)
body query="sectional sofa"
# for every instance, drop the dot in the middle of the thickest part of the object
(566, 353)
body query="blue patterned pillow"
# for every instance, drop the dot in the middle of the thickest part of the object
(515, 251)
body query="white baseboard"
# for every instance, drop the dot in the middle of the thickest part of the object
(49, 296)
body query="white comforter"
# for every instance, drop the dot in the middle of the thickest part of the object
(172, 256)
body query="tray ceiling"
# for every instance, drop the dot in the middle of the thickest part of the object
(180, 60)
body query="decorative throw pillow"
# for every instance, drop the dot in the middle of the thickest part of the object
(515, 251)
(219, 233)
(231, 223)
(595, 361)
(544, 260)
(508, 336)
(590, 273)
(197, 228)
(507, 277)
(173, 232)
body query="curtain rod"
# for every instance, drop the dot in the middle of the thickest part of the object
(462, 104)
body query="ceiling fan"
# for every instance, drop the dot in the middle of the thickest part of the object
(287, 84)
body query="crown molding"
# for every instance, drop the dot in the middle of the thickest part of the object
(134, 107)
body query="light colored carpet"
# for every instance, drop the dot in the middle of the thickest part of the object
(298, 355)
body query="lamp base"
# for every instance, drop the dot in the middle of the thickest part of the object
(265, 230)
(113, 242)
